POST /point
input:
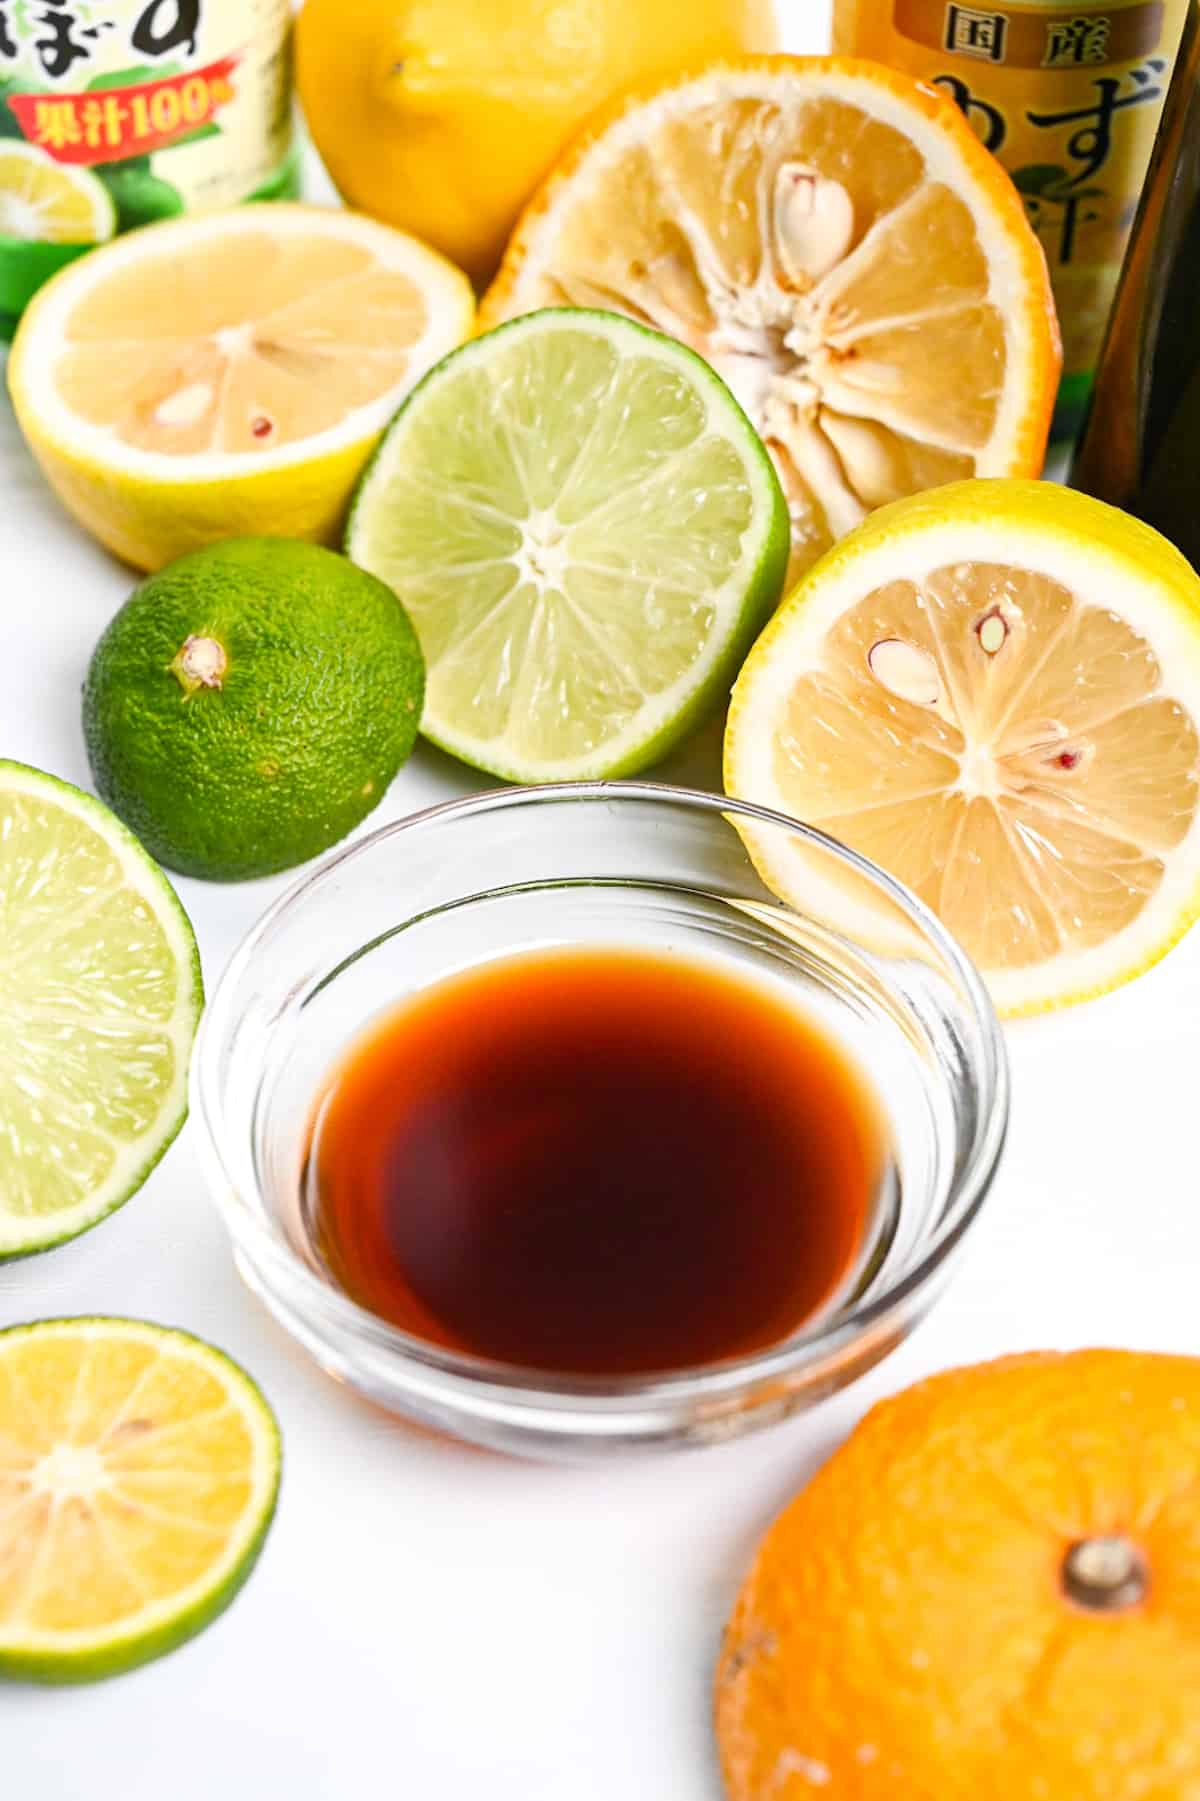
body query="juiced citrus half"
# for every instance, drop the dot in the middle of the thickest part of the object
(993, 691)
(139, 1470)
(231, 374)
(837, 243)
(50, 202)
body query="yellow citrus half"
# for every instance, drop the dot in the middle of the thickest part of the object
(230, 374)
(993, 690)
(837, 243)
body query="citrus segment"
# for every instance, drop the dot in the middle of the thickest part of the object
(836, 242)
(585, 532)
(994, 693)
(235, 368)
(100, 1002)
(48, 202)
(138, 1475)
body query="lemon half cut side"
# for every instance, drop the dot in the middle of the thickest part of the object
(224, 375)
(993, 690)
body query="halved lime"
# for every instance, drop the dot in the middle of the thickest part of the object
(586, 532)
(139, 1470)
(99, 1001)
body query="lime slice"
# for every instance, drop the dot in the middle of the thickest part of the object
(139, 1470)
(993, 690)
(100, 999)
(586, 532)
(49, 202)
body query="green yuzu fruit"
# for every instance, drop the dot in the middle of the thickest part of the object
(250, 704)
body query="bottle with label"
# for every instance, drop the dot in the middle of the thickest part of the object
(1069, 99)
(1141, 447)
(115, 113)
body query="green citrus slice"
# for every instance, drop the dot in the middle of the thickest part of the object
(99, 1001)
(586, 532)
(139, 1470)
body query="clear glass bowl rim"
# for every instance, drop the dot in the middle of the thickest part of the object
(317, 1301)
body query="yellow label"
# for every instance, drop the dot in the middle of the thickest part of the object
(175, 105)
(1067, 98)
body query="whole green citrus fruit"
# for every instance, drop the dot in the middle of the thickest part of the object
(249, 705)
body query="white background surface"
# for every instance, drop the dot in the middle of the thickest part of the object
(436, 1624)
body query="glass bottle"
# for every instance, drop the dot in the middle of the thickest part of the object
(115, 113)
(1141, 447)
(1068, 98)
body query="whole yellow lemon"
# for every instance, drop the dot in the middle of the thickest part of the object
(441, 116)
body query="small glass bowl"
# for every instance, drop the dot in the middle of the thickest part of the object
(628, 865)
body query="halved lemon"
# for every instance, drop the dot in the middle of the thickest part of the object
(838, 244)
(229, 374)
(139, 1470)
(993, 690)
(51, 203)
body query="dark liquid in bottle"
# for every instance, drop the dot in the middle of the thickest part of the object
(1141, 445)
(595, 1162)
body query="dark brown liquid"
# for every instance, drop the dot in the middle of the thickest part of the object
(595, 1162)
